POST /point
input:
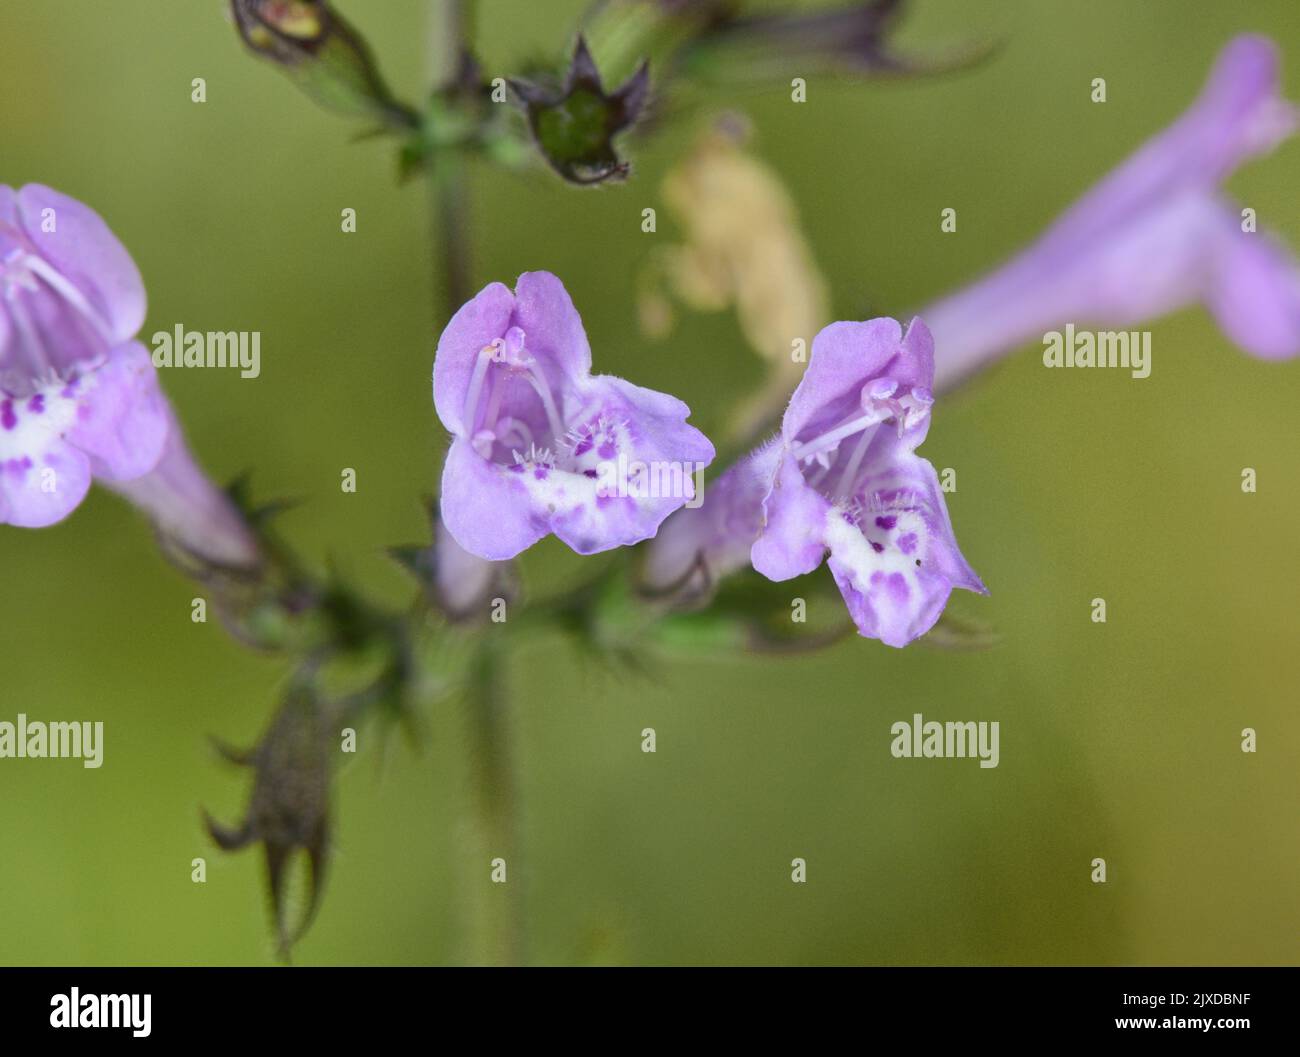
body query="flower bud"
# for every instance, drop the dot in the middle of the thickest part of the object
(322, 53)
(575, 124)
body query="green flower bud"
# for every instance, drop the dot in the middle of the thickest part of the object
(322, 53)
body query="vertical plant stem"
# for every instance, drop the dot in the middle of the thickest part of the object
(451, 233)
(449, 189)
(495, 910)
(497, 929)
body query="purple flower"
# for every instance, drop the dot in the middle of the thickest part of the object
(698, 546)
(1155, 235)
(462, 583)
(79, 396)
(188, 510)
(841, 477)
(540, 444)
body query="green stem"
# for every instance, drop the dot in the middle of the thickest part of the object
(451, 233)
(496, 928)
(447, 183)
(495, 874)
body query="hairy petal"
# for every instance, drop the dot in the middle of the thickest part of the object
(844, 355)
(790, 544)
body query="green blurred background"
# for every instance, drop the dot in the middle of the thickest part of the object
(1119, 740)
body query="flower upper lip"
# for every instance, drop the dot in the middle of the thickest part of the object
(70, 291)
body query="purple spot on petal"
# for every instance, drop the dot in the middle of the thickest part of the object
(7, 417)
(36, 405)
(907, 542)
(608, 450)
(877, 547)
(898, 589)
(18, 467)
(540, 473)
(886, 523)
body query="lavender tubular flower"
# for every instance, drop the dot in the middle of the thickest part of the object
(541, 445)
(842, 477)
(188, 511)
(463, 583)
(1155, 235)
(696, 547)
(79, 396)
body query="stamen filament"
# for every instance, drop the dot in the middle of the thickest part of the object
(476, 386)
(28, 340)
(855, 460)
(494, 403)
(538, 382)
(70, 294)
(832, 438)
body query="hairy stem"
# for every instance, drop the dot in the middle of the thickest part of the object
(496, 926)
(451, 235)
(495, 875)
(448, 186)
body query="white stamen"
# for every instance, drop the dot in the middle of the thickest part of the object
(28, 340)
(70, 294)
(494, 404)
(534, 456)
(832, 438)
(485, 357)
(538, 381)
(845, 482)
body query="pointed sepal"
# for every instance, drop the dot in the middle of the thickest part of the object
(575, 125)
